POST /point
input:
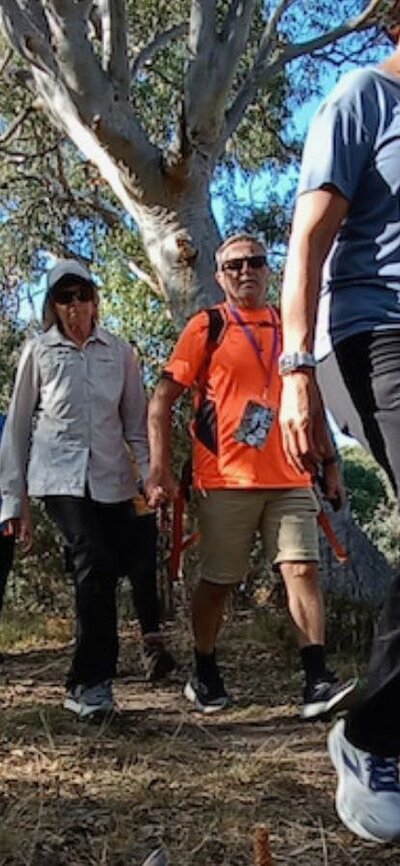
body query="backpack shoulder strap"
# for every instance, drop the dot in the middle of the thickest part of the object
(217, 325)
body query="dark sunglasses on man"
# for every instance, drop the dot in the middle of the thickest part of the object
(236, 265)
(64, 296)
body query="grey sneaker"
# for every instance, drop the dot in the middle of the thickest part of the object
(87, 702)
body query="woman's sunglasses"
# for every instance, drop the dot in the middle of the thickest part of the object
(82, 293)
(255, 262)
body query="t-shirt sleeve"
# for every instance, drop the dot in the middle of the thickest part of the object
(340, 141)
(185, 361)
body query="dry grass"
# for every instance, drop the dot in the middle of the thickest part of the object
(107, 795)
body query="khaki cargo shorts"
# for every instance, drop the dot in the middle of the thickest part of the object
(229, 520)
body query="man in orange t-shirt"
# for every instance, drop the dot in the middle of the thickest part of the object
(243, 479)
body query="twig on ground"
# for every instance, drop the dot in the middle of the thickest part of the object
(262, 851)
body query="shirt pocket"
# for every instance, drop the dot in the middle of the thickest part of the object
(56, 362)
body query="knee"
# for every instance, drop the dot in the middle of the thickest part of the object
(298, 571)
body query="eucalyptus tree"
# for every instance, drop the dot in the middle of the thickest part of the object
(123, 114)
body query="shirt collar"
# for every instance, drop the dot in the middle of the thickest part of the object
(54, 337)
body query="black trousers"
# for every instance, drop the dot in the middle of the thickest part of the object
(370, 365)
(104, 542)
(7, 544)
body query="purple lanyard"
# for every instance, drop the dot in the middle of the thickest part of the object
(253, 342)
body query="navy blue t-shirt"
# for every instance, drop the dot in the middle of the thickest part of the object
(354, 144)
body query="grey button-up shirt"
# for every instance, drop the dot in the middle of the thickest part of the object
(71, 413)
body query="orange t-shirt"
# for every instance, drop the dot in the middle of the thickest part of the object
(235, 377)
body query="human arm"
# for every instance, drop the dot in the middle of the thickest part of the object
(161, 485)
(317, 218)
(180, 372)
(133, 410)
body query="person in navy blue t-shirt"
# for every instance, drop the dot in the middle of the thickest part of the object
(344, 252)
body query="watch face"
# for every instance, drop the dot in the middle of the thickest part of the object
(295, 361)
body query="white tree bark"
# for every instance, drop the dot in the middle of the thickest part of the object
(85, 92)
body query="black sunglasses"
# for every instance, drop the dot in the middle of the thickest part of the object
(255, 262)
(83, 293)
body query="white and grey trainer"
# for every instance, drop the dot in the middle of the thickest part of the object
(368, 791)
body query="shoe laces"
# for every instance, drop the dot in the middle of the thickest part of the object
(383, 774)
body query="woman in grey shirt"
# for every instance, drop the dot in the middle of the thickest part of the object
(82, 387)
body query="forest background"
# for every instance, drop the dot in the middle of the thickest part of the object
(135, 141)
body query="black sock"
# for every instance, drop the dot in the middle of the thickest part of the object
(205, 664)
(313, 661)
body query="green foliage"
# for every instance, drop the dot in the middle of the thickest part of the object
(37, 583)
(11, 337)
(373, 502)
(365, 482)
(133, 310)
(384, 530)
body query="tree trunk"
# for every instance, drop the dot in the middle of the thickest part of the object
(180, 241)
(366, 575)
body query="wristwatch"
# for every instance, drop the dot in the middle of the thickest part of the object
(288, 362)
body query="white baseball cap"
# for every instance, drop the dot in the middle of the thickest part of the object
(67, 268)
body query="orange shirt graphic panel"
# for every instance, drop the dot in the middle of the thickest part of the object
(240, 379)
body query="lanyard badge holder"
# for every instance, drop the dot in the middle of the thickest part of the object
(257, 419)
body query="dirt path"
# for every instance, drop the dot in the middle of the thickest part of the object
(75, 793)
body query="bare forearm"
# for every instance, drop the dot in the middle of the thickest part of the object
(300, 296)
(317, 218)
(159, 429)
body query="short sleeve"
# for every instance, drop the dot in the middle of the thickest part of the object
(185, 361)
(340, 139)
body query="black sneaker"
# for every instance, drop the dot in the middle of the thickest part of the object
(158, 662)
(326, 696)
(210, 697)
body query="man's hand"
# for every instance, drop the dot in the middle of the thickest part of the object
(302, 420)
(160, 487)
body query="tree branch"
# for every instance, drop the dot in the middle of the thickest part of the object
(115, 51)
(16, 124)
(360, 22)
(80, 98)
(145, 278)
(280, 55)
(6, 61)
(147, 53)
(211, 71)
(28, 33)
(202, 25)
(270, 32)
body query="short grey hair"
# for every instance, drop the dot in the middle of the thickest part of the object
(232, 239)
